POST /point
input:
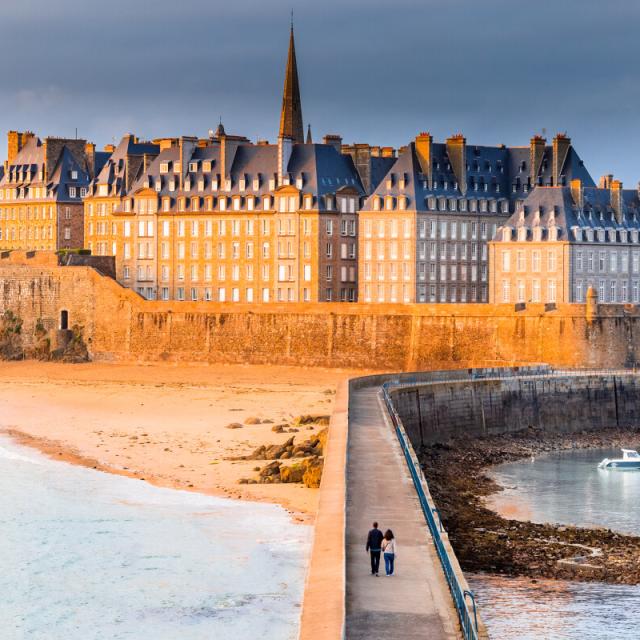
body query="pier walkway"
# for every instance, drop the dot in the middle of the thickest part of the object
(415, 602)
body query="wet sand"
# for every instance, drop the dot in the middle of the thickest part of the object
(165, 423)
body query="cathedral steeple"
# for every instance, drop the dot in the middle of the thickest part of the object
(291, 116)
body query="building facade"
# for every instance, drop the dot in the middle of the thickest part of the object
(561, 241)
(425, 229)
(226, 220)
(41, 192)
(104, 221)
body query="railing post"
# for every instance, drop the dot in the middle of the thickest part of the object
(473, 602)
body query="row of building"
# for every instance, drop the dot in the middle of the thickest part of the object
(224, 219)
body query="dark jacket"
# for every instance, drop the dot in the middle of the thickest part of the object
(374, 540)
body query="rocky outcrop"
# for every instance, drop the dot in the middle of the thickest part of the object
(485, 541)
(308, 470)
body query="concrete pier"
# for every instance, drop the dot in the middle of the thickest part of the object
(415, 602)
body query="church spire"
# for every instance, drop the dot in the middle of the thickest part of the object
(309, 138)
(291, 116)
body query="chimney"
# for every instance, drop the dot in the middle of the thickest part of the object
(361, 155)
(423, 152)
(109, 148)
(577, 193)
(457, 151)
(16, 140)
(90, 153)
(387, 152)
(561, 146)
(285, 147)
(616, 200)
(536, 154)
(605, 181)
(333, 140)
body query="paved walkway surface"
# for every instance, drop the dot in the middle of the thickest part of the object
(415, 602)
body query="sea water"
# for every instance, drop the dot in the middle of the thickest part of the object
(563, 488)
(86, 555)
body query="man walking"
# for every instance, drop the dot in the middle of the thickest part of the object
(374, 547)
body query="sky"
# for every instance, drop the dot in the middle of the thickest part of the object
(373, 71)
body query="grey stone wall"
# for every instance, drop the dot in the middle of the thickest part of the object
(437, 412)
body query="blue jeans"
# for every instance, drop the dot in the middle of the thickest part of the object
(388, 563)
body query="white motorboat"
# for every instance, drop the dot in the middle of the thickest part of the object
(630, 460)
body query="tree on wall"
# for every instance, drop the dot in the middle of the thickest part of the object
(11, 347)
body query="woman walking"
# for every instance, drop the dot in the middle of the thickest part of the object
(389, 550)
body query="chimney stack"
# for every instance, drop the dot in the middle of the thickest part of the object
(605, 181)
(457, 151)
(577, 193)
(333, 140)
(423, 144)
(90, 153)
(537, 146)
(616, 200)
(561, 146)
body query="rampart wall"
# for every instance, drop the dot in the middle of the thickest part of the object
(118, 324)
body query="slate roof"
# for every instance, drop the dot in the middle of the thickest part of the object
(555, 206)
(27, 170)
(322, 168)
(113, 166)
(504, 171)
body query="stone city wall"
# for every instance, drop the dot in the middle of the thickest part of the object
(118, 324)
(435, 412)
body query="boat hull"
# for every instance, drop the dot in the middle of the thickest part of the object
(624, 465)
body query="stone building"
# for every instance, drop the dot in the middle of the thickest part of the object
(227, 220)
(562, 240)
(41, 191)
(424, 231)
(104, 224)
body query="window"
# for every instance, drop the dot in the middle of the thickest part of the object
(506, 262)
(535, 291)
(506, 291)
(551, 263)
(551, 291)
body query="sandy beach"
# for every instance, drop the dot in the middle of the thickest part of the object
(167, 424)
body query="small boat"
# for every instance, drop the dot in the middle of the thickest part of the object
(630, 460)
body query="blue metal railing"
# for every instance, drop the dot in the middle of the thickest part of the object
(468, 621)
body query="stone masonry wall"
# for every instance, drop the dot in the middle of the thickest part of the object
(120, 325)
(435, 412)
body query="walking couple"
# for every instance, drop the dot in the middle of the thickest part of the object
(378, 543)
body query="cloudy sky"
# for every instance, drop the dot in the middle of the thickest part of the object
(373, 71)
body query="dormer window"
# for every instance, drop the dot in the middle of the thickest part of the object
(223, 203)
(187, 184)
(206, 166)
(172, 185)
(522, 234)
(214, 184)
(72, 192)
(83, 192)
(256, 184)
(177, 167)
(242, 184)
(74, 175)
(195, 204)
(376, 204)
(435, 184)
(250, 203)
(402, 203)
(388, 202)
(164, 167)
(299, 182)
(227, 184)
(158, 184)
(103, 190)
(166, 204)
(308, 201)
(506, 234)
(266, 203)
(193, 167)
(201, 184)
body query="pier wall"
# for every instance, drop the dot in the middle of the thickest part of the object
(557, 402)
